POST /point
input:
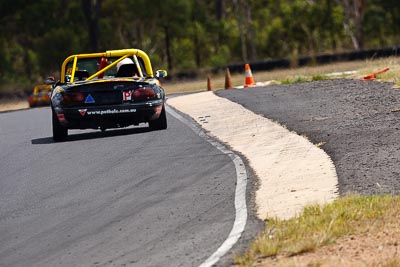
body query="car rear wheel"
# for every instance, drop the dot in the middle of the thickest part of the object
(161, 122)
(60, 133)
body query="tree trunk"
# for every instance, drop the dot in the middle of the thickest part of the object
(329, 17)
(353, 15)
(197, 47)
(168, 47)
(220, 16)
(359, 10)
(251, 40)
(91, 10)
(219, 9)
(242, 29)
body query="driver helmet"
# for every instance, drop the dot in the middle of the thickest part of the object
(125, 61)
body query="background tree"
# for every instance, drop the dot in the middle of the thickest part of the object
(354, 13)
(186, 35)
(91, 10)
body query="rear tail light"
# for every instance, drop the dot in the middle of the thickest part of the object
(73, 98)
(79, 97)
(144, 93)
(60, 116)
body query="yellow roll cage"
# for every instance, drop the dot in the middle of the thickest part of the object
(123, 53)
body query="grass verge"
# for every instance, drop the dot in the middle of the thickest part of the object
(303, 74)
(318, 226)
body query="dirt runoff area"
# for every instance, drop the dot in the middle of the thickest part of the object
(13, 105)
(368, 249)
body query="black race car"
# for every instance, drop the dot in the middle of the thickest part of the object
(107, 90)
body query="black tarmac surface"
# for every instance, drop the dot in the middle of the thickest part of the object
(358, 123)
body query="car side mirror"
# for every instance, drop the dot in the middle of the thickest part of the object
(50, 80)
(161, 74)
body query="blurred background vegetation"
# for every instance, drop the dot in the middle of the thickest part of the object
(185, 35)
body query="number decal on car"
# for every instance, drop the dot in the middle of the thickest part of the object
(127, 96)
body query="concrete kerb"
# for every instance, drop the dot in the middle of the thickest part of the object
(292, 171)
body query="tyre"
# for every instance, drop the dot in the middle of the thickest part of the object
(161, 122)
(60, 133)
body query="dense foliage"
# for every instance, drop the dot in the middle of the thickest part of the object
(186, 34)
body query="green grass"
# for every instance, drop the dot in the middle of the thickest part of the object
(295, 79)
(318, 226)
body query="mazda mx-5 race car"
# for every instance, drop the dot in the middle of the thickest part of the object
(40, 96)
(113, 89)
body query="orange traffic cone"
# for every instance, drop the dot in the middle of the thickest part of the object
(373, 75)
(249, 81)
(228, 80)
(209, 85)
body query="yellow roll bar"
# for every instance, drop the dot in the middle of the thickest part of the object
(123, 53)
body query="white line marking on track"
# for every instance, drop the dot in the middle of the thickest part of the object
(240, 192)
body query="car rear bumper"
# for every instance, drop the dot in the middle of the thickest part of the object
(109, 116)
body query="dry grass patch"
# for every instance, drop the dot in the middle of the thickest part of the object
(320, 226)
(303, 74)
(393, 63)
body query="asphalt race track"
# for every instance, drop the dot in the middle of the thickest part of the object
(356, 122)
(126, 197)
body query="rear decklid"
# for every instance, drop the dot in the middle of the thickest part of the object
(109, 93)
